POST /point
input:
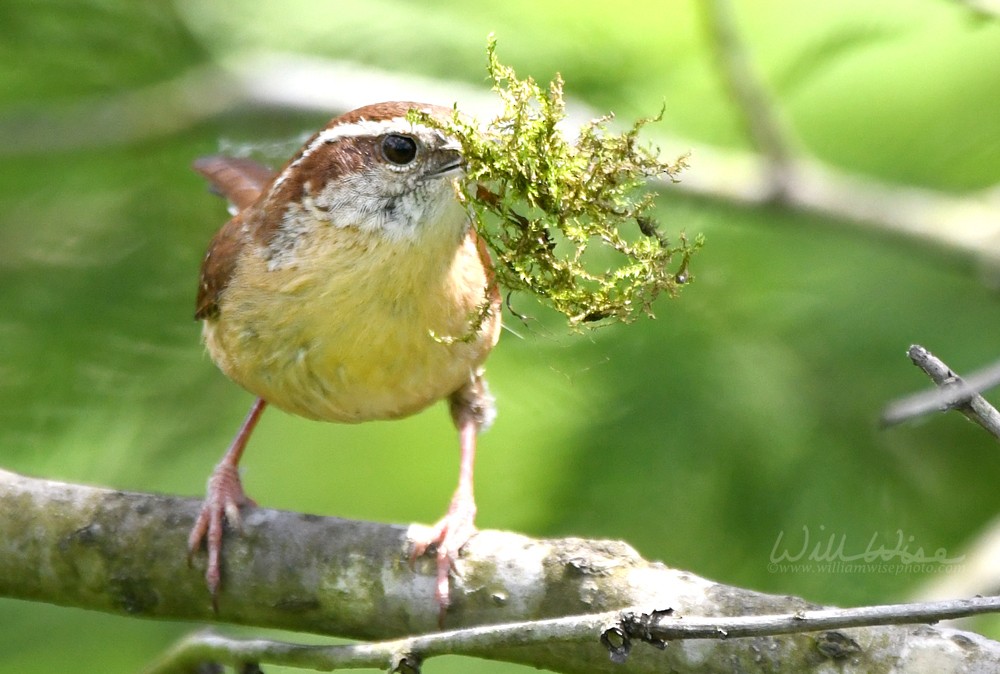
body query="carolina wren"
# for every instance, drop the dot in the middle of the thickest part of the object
(322, 297)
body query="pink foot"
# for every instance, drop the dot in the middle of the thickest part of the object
(447, 537)
(222, 504)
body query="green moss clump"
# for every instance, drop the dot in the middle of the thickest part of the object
(567, 219)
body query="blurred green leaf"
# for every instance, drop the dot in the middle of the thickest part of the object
(746, 410)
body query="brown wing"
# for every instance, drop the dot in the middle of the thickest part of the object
(241, 181)
(218, 266)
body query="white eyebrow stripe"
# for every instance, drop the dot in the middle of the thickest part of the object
(363, 127)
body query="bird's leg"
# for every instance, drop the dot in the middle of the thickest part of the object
(457, 526)
(472, 410)
(222, 503)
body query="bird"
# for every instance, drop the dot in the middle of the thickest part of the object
(350, 286)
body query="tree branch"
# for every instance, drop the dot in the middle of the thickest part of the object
(953, 393)
(615, 629)
(125, 553)
(764, 124)
(968, 223)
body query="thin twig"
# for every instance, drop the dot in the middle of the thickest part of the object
(668, 627)
(208, 647)
(768, 132)
(941, 399)
(953, 393)
(653, 626)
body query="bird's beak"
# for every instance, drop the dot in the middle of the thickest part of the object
(452, 163)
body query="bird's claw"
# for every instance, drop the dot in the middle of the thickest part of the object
(222, 505)
(447, 538)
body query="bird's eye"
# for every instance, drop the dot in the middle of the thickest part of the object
(400, 150)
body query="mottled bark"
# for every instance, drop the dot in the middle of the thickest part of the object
(125, 553)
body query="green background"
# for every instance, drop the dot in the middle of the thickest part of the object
(745, 411)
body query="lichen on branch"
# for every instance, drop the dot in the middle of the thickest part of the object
(567, 216)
